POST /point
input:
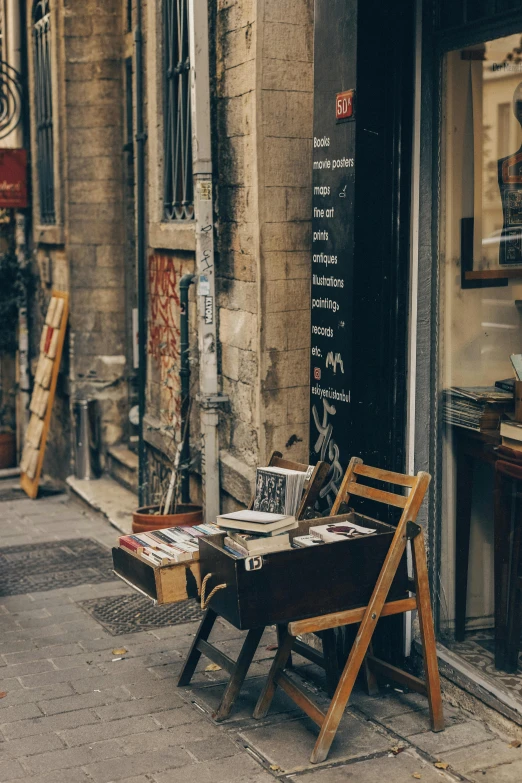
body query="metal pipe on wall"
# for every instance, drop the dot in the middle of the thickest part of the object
(184, 372)
(210, 399)
(140, 139)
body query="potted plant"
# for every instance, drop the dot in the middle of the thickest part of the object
(172, 510)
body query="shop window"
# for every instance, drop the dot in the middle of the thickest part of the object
(43, 102)
(481, 314)
(177, 170)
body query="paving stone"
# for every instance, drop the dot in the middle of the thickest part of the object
(100, 731)
(11, 770)
(505, 773)
(23, 695)
(214, 748)
(60, 776)
(417, 721)
(147, 687)
(79, 674)
(29, 667)
(180, 716)
(40, 725)
(37, 744)
(127, 709)
(72, 757)
(473, 757)
(241, 769)
(394, 769)
(38, 653)
(469, 733)
(124, 767)
(15, 646)
(74, 701)
(19, 713)
(288, 744)
(103, 681)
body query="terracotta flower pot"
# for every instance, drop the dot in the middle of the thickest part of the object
(144, 519)
(7, 450)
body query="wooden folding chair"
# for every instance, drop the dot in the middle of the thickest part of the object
(367, 616)
(238, 669)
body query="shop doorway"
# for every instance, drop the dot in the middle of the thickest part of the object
(471, 284)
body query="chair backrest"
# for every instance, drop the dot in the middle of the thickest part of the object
(312, 485)
(409, 503)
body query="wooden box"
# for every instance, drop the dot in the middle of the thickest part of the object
(164, 585)
(298, 583)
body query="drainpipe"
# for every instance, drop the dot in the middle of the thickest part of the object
(184, 285)
(210, 399)
(140, 251)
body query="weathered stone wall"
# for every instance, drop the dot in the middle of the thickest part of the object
(264, 120)
(85, 252)
(94, 205)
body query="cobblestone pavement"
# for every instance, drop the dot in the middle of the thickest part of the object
(73, 714)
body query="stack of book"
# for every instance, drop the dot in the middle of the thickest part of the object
(252, 532)
(511, 434)
(476, 408)
(330, 533)
(168, 546)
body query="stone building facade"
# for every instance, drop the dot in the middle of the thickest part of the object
(78, 242)
(261, 115)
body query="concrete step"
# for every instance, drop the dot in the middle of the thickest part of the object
(107, 496)
(122, 465)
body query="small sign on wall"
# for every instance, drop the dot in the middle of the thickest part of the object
(13, 178)
(344, 105)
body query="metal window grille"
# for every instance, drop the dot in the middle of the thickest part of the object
(178, 188)
(44, 109)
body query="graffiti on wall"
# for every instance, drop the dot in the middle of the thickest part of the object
(327, 450)
(163, 344)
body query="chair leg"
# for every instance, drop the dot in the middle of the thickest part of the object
(514, 606)
(372, 684)
(331, 665)
(463, 513)
(278, 664)
(189, 667)
(359, 647)
(427, 634)
(343, 691)
(503, 495)
(281, 630)
(237, 678)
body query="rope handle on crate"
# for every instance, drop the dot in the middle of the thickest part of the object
(205, 601)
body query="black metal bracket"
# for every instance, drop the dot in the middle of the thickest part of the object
(412, 530)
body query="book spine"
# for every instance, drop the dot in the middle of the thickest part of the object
(128, 543)
(236, 548)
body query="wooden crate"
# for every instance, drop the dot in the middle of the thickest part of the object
(298, 583)
(164, 585)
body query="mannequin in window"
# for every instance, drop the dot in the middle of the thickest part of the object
(510, 185)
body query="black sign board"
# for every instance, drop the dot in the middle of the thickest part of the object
(335, 116)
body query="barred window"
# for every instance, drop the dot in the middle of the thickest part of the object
(178, 190)
(44, 109)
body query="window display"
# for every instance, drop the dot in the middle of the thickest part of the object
(480, 325)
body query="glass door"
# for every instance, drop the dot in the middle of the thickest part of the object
(480, 328)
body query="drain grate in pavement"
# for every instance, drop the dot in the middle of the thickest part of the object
(35, 568)
(128, 613)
